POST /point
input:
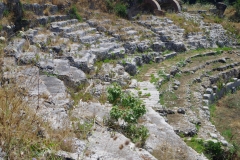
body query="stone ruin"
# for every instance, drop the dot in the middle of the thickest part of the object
(159, 5)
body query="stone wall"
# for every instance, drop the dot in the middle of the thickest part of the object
(215, 93)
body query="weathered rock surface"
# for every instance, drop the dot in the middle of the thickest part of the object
(69, 54)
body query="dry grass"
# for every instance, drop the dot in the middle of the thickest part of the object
(188, 26)
(46, 12)
(230, 26)
(230, 22)
(68, 145)
(55, 2)
(58, 2)
(21, 133)
(166, 152)
(198, 6)
(226, 117)
(29, 15)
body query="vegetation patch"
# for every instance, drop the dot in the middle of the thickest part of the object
(226, 118)
(128, 108)
(188, 25)
(21, 133)
(117, 7)
(80, 94)
(74, 13)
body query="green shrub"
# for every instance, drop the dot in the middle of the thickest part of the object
(114, 93)
(137, 134)
(74, 13)
(237, 7)
(213, 150)
(130, 109)
(120, 10)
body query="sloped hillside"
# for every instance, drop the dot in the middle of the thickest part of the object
(79, 83)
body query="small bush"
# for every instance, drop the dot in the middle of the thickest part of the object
(130, 109)
(114, 93)
(237, 7)
(137, 134)
(213, 150)
(74, 13)
(120, 10)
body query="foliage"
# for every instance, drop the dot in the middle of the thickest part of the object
(114, 93)
(130, 109)
(127, 107)
(162, 74)
(137, 134)
(237, 7)
(120, 10)
(213, 150)
(74, 13)
(196, 144)
(181, 63)
(153, 79)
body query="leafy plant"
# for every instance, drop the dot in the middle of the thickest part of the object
(74, 13)
(114, 93)
(137, 134)
(120, 10)
(214, 150)
(128, 108)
